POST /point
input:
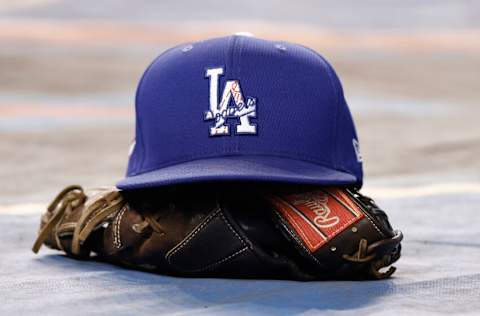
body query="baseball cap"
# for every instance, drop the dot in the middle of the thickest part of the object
(240, 108)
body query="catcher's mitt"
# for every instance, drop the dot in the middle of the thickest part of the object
(306, 234)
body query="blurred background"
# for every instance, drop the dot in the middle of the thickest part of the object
(69, 69)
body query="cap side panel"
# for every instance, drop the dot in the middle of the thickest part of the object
(344, 133)
(136, 157)
(336, 89)
(336, 100)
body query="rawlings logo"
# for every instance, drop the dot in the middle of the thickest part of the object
(317, 216)
(238, 109)
(317, 202)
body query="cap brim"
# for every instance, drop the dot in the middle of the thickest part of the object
(239, 168)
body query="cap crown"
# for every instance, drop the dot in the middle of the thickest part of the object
(242, 96)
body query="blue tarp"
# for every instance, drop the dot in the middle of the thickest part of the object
(439, 272)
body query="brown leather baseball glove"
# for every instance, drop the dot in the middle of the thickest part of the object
(226, 231)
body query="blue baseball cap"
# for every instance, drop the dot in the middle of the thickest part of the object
(241, 108)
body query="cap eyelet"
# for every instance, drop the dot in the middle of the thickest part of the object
(281, 47)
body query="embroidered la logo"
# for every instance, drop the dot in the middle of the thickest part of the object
(238, 109)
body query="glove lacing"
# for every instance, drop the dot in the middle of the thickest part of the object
(95, 212)
(69, 198)
(382, 253)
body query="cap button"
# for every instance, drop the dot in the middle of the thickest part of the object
(247, 34)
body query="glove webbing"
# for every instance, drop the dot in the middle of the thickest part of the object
(95, 212)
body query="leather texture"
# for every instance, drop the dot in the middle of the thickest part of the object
(188, 231)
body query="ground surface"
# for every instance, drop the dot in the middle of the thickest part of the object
(439, 273)
(411, 75)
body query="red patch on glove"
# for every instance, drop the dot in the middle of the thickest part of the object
(318, 216)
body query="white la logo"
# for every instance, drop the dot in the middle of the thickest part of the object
(222, 111)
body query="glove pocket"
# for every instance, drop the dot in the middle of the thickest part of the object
(215, 248)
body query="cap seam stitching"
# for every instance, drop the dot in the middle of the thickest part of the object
(337, 106)
(336, 99)
(239, 76)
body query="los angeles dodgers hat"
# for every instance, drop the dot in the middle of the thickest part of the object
(241, 108)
